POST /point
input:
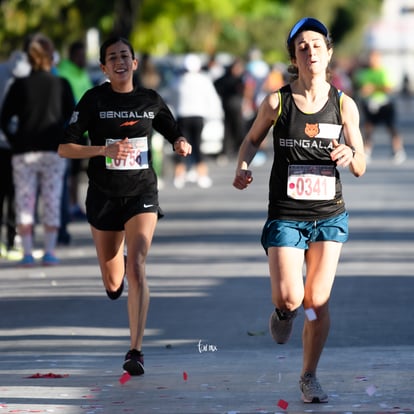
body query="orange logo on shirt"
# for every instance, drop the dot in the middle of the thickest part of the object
(129, 123)
(311, 130)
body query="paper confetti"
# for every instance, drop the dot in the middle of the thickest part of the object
(49, 375)
(371, 390)
(283, 404)
(125, 377)
(185, 376)
(311, 314)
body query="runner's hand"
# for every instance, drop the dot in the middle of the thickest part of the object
(119, 150)
(182, 147)
(342, 154)
(242, 179)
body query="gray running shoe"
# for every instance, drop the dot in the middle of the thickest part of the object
(399, 157)
(312, 391)
(280, 325)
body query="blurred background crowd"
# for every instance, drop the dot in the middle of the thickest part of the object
(218, 57)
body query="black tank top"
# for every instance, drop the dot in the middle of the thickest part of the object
(304, 139)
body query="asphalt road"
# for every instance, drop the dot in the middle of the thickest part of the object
(207, 347)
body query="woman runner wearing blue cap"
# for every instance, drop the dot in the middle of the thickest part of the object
(316, 132)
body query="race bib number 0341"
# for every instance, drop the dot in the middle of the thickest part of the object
(137, 160)
(311, 182)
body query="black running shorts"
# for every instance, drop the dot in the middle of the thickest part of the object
(111, 214)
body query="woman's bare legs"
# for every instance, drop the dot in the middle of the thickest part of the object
(139, 231)
(289, 291)
(321, 264)
(109, 249)
(286, 277)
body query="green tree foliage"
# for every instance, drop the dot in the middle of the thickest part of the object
(237, 25)
(63, 20)
(19, 18)
(179, 26)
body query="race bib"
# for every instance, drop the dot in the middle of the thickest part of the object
(137, 159)
(311, 182)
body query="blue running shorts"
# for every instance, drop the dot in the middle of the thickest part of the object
(291, 233)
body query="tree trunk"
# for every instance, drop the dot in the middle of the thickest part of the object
(125, 16)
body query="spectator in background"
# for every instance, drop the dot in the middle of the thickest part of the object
(147, 73)
(214, 68)
(275, 79)
(41, 103)
(230, 88)
(197, 99)
(406, 87)
(257, 71)
(15, 67)
(73, 69)
(148, 76)
(377, 105)
(340, 78)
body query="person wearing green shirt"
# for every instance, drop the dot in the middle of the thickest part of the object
(73, 69)
(377, 105)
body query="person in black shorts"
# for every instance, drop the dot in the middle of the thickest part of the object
(307, 221)
(122, 198)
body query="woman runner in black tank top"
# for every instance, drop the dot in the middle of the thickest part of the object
(316, 131)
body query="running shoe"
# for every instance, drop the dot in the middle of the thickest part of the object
(134, 362)
(312, 391)
(399, 157)
(115, 295)
(179, 181)
(280, 325)
(204, 181)
(49, 259)
(27, 261)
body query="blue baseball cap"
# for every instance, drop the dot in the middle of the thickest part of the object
(307, 23)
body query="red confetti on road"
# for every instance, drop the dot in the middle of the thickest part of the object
(283, 404)
(49, 375)
(125, 377)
